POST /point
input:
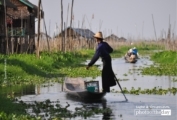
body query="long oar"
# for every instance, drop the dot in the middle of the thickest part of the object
(120, 87)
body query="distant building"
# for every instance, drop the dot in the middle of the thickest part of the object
(122, 39)
(113, 37)
(83, 37)
(78, 33)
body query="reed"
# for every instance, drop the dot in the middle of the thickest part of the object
(76, 44)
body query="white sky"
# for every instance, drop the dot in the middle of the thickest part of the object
(127, 18)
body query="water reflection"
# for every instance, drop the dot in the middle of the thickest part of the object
(18, 90)
(48, 88)
(108, 114)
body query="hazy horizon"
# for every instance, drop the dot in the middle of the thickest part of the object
(122, 18)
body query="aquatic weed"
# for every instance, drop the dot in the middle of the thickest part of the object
(155, 90)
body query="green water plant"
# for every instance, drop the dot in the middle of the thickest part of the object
(8, 108)
(174, 79)
(155, 91)
(165, 64)
(54, 109)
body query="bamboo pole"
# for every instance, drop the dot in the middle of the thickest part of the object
(169, 35)
(38, 36)
(82, 27)
(21, 31)
(5, 12)
(174, 30)
(71, 13)
(12, 38)
(49, 26)
(67, 16)
(45, 30)
(71, 25)
(88, 22)
(62, 41)
(66, 32)
(169, 30)
(154, 27)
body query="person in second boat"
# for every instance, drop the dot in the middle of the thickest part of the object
(132, 51)
(135, 52)
(103, 50)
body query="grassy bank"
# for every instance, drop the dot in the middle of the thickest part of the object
(165, 64)
(26, 68)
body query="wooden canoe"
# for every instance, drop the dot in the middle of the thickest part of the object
(129, 59)
(76, 87)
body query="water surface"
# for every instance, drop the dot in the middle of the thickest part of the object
(121, 110)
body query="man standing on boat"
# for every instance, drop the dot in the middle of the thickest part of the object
(103, 50)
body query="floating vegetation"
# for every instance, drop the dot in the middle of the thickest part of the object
(125, 74)
(80, 71)
(10, 110)
(45, 85)
(155, 90)
(124, 79)
(5, 116)
(165, 57)
(167, 64)
(54, 109)
(174, 79)
(14, 109)
(162, 69)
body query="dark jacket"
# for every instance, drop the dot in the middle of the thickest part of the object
(103, 50)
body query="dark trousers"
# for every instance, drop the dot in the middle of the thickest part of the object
(108, 79)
